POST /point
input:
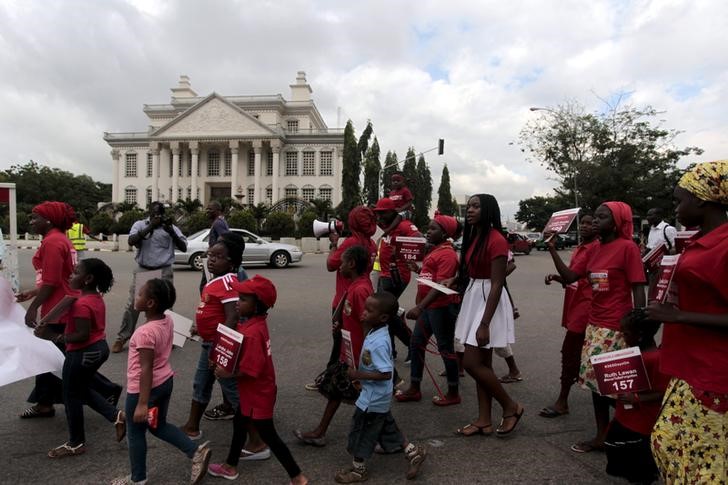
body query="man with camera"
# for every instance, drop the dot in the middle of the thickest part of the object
(155, 238)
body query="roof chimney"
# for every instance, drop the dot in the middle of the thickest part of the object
(301, 91)
(183, 89)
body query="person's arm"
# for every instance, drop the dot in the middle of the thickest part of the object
(136, 237)
(567, 275)
(83, 330)
(638, 295)
(359, 375)
(663, 312)
(554, 277)
(231, 314)
(146, 359)
(179, 241)
(415, 312)
(333, 261)
(406, 206)
(31, 315)
(497, 280)
(510, 268)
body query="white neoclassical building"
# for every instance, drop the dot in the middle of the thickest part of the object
(253, 148)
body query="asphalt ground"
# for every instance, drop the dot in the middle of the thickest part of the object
(537, 452)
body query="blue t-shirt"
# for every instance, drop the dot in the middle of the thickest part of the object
(376, 356)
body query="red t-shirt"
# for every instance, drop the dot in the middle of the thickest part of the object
(479, 264)
(359, 290)
(90, 307)
(211, 310)
(386, 250)
(257, 387)
(439, 264)
(578, 295)
(334, 261)
(53, 263)
(401, 196)
(699, 355)
(612, 270)
(643, 416)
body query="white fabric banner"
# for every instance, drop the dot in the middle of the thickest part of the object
(22, 354)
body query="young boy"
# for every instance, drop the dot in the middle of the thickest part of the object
(373, 421)
(401, 195)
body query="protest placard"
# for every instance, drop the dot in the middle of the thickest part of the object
(348, 348)
(620, 371)
(682, 239)
(651, 260)
(410, 248)
(561, 221)
(228, 346)
(437, 286)
(661, 291)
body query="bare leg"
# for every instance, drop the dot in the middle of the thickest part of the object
(478, 363)
(192, 426)
(329, 412)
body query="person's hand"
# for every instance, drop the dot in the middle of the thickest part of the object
(44, 332)
(336, 326)
(550, 239)
(193, 330)
(662, 312)
(351, 373)
(413, 266)
(221, 373)
(211, 364)
(30, 318)
(140, 413)
(482, 335)
(26, 295)
(628, 398)
(549, 278)
(334, 237)
(450, 282)
(414, 313)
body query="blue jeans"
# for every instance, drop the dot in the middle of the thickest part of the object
(79, 370)
(137, 432)
(441, 322)
(205, 378)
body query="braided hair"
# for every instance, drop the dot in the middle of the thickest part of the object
(162, 292)
(476, 236)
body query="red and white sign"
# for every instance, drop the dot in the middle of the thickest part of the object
(667, 271)
(348, 348)
(620, 372)
(652, 259)
(226, 351)
(561, 221)
(410, 248)
(682, 238)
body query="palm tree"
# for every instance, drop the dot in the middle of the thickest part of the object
(260, 212)
(323, 208)
(187, 206)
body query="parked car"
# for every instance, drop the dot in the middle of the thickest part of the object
(518, 243)
(257, 250)
(563, 241)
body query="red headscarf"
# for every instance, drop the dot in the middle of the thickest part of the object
(60, 214)
(448, 224)
(622, 215)
(362, 221)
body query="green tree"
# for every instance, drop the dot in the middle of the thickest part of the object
(323, 208)
(350, 187)
(391, 165)
(621, 153)
(279, 224)
(536, 211)
(372, 167)
(259, 211)
(185, 207)
(444, 195)
(196, 221)
(242, 219)
(127, 219)
(409, 169)
(423, 195)
(363, 144)
(101, 223)
(304, 225)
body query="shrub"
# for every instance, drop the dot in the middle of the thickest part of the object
(304, 226)
(127, 219)
(242, 219)
(101, 223)
(196, 221)
(278, 225)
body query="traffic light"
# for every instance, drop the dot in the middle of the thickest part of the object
(441, 146)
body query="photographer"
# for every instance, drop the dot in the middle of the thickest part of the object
(155, 238)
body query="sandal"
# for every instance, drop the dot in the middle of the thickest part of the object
(474, 430)
(550, 412)
(67, 450)
(446, 401)
(307, 440)
(120, 425)
(586, 447)
(503, 432)
(508, 379)
(404, 396)
(32, 412)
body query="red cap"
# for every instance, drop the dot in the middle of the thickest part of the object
(385, 204)
(262, 288)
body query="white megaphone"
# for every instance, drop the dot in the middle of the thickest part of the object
(321, 229)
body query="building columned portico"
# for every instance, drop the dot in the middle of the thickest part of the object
(253, 148)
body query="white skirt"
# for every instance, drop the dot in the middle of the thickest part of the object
(502, 329)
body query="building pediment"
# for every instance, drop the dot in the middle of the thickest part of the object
(213, 117)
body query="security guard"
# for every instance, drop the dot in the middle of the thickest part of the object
(77, 235)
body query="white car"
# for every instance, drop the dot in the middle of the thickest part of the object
(257, 251)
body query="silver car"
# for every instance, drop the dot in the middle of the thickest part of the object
(257, 251)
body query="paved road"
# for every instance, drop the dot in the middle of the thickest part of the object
(537, 453)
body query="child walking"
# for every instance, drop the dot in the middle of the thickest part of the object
(149, 386)
(256, 381)
(373, 422)
(86, 350)
(628, 438)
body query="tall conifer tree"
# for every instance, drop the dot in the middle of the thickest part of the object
(372, 167)
(422, 193)
(444, 195)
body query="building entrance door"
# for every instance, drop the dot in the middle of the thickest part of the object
(217, 193)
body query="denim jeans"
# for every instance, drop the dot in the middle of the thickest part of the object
(131, 316)
(137, 432)
(441, 322)
(79, 370)
(205, 378)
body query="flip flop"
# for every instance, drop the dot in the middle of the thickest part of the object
(510, 379)
(402, 396)
(246, 455)
(479, 430)
(501, 432)
(585, 447)
(549, 412)
(446, 401)
(318, 442)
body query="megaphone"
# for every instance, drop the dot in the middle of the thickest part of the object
(321, 229)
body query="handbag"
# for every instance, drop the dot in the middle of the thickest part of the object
(334, 383)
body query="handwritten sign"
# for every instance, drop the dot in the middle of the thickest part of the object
(561, 221)
(410, 248)
(620, 372)
(661, 292)
(226, 351)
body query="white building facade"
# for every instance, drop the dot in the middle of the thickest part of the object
(253, 148)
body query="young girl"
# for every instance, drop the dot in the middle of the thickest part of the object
(86, 350)
(256, 381)
(149, 385)
(217, 305)
(434, 313)
(628, 439)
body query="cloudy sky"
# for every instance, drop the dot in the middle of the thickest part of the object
(466, 71)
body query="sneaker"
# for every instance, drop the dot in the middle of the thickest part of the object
(199, 463)
(415, 459)
(220, 471)
(219, 412)
(261, 455)
(127, 481)
(352, 475)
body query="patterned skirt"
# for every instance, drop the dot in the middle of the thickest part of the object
(597, 340)
(690, 439)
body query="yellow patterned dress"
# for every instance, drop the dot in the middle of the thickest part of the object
(597, 340)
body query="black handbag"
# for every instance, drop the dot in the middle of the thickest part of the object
(334, 383)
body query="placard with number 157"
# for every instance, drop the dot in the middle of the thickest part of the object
(620, 372)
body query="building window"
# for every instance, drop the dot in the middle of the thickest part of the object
(130, 170)
(180, 170)
(130, 195)
(170, 165)
(269, 165)
(149, 196)
(189, 168)
(189, 192)
(291, 163)
(150, 164)
(251, 163)
(228, 170)
(251, 195)
(292, 126)
(327, 163)
(308, 193)
(269, 194)
(291, 192)
(213, 164)
(309, 163)
(325, 193)
(179, 193)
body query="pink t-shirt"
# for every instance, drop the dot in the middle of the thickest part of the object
(156, 335)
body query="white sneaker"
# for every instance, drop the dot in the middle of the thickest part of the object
(246, 455)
